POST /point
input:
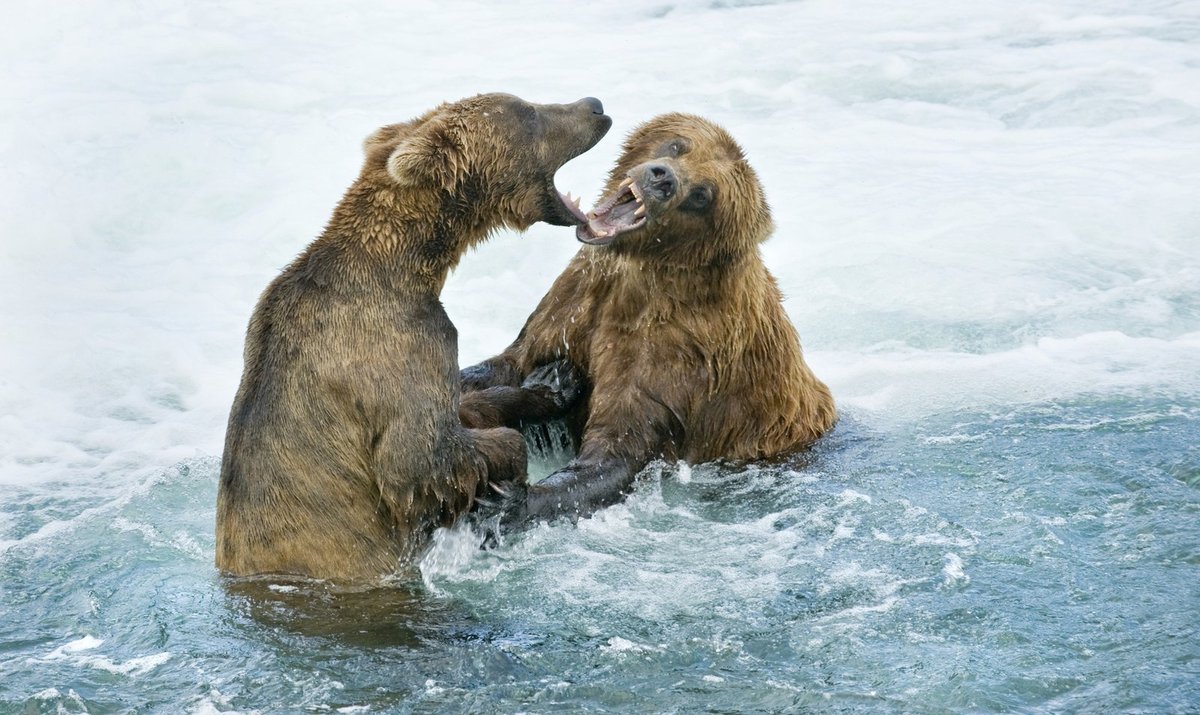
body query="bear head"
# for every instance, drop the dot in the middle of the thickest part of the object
(682, 193)
(492, 156)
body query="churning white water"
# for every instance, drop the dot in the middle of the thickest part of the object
(989, 238)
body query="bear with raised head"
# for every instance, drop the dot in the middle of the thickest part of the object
(346, 446)
(673, 321)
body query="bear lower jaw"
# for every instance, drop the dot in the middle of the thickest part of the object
(621, 212)
(559, 209)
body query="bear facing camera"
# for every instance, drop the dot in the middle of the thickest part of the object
(672, 322)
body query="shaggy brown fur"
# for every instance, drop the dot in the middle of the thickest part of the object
(675, 322)
(344, 448)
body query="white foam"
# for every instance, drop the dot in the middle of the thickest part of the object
(956, 438)
(907, 383)
(953, 571)
(48, 694)
(56, 694)
(451, 550)
(843, 530)
(850, 496)
(215, 703)
(620, 645)
(75, 652)
(75, 646)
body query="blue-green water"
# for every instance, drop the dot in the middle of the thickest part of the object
(1043, 559)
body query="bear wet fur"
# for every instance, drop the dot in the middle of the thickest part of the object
(674, 322)
(346, 443)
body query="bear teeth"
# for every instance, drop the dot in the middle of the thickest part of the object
(623, 210)
(571, 203)
(637, 192)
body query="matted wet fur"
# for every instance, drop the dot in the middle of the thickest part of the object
(345, 448)
(673, 320)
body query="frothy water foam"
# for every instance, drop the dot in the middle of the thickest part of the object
(987, 236)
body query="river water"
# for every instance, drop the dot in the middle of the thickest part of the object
(989, 240)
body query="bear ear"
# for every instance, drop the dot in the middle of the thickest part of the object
(427, 156)
(381, 136)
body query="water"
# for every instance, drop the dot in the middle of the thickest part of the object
(1051, 566)
(989, 241)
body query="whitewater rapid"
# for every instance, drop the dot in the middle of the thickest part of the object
(988, 239)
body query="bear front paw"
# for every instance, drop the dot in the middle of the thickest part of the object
(559, 381)
(475, 377)
(489, 373)
(503, 510)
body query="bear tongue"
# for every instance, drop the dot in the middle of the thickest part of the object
(616, 217)
(600, 228)
(623, 210)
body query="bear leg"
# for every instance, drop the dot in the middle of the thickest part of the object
(549, 392)
(494, 371)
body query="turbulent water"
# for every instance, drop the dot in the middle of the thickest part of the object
(989, 238)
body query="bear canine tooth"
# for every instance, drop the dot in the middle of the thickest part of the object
(641, 210)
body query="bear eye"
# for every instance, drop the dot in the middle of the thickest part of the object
(698, 199)
(676, 148)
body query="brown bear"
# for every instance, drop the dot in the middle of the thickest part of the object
(344, 448)
(673, 320)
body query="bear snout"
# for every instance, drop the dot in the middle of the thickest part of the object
(660, 180)
(593, 104)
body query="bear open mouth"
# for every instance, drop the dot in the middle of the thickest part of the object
(622, 211)
(571, 204)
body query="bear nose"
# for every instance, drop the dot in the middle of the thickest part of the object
(593, 104)
(660, 181)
